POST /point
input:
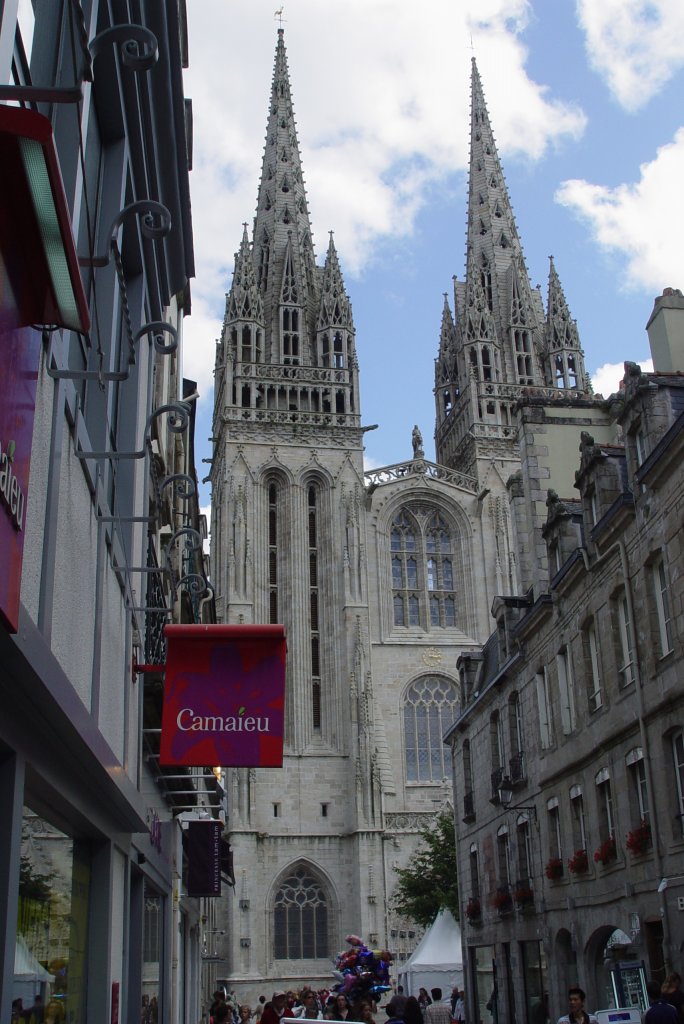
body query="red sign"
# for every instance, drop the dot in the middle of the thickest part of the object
(224, 696)
(19, 354)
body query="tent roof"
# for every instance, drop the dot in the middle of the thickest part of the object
(26, 966)
(440, 947)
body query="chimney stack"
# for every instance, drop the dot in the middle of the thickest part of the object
(666, 332)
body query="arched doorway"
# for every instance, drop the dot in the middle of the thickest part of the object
(608, 945)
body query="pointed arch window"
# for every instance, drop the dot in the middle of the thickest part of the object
(300, 918)
(314, 629)
(423, 569)
(273, 540)
(430, 707)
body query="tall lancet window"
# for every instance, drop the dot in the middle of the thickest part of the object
(300, 918)
(440, 573)
(430, 707)
(423, 572)
(314, 626)
(273, 538)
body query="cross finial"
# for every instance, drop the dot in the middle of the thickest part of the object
(279, 15)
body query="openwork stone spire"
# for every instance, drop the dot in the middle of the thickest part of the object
(564, 351)
(244, 299)
(282, 231)
(335, 309)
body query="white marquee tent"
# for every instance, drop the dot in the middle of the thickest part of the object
(437, 960)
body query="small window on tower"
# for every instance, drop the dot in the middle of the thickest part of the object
(324, 810)
(276, 810)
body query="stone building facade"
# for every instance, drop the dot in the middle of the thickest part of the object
(567, 754)
(382, 579)
(100, 531)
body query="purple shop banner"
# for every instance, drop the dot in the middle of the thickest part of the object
(19, 355)
(224, 696)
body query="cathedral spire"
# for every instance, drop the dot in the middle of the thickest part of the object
(335, 308)
(281, 227)
(564, 352)
(244, 299)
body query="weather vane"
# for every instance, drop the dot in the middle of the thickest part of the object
(279, 15)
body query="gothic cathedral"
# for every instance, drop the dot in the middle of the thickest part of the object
(382, 579)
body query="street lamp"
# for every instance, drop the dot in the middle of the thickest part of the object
(505, 793)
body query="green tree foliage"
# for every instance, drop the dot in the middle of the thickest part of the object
(429, 883)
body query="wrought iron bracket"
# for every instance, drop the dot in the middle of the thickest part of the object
(155, 223)
(139, 52)
(178, 421)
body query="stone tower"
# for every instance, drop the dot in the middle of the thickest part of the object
(288, 501)
(499, 342)
(382, 579)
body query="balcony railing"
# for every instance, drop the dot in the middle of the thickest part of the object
(497, 777)
(516, 768)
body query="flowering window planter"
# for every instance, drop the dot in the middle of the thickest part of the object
(523, 897)
(579, 863)
(607, 852)
(503, 901)
(638, 841)
(554, 869)
(473, 909)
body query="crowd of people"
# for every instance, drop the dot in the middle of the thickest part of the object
(322, 1004)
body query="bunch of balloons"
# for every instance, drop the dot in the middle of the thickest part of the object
(362, 972)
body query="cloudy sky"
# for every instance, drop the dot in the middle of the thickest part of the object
(586, 102)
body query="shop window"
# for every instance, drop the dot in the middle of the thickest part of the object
(52, 919)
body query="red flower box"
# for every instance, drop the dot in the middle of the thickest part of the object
(579, 862)
(554, 869)
(606, 852)
(639, 839)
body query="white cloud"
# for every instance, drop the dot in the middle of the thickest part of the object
(636, 45)
(606, 379)
(381, 96)
(642, 221)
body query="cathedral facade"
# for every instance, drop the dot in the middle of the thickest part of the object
(383, 579)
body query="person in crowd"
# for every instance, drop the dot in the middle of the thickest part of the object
(423, 999)
(576, 1012)
(412, 1011)
(458, 1005)
(244, 1013)
(309, 1008)
(259, 1008)
(216, 1000)
(222, 1014)
(437, 1012)
(274, 1011)
(396, 1005)
(671, 990)
(365, 1012)
(660, 1010)
(339, 1009)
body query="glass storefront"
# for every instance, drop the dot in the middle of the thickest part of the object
(152, 947)
(483, 981)
(52, 923)
(536, 983)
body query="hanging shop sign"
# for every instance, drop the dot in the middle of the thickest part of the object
(203, 850)
(19, 354)
(224, 696)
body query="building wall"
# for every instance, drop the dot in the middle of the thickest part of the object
(91, 837)
(620, 734)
